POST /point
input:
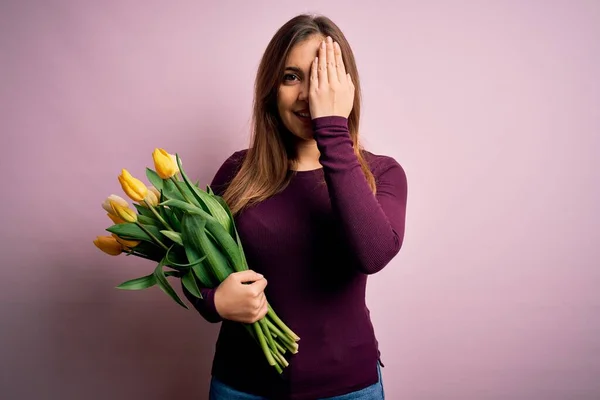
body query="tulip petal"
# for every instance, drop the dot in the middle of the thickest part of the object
(113, 197)
(164, 164)
(109, 245)
(134, 188)
(125, 213)
(115, 219)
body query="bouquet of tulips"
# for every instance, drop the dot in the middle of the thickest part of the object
(191, 232)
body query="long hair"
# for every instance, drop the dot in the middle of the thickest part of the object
(265, 169)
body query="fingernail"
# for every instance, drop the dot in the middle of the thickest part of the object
(329, 39)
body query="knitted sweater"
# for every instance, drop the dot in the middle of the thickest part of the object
(316, 242)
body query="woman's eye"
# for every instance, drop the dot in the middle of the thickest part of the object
(288, 77)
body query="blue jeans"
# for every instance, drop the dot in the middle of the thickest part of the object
(220, 391)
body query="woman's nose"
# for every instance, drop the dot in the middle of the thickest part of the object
(303, 93)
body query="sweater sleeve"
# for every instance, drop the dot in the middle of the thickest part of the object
(206, 306)
(373, 224)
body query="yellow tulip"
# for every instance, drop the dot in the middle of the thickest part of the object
(155, 191)
(113, 197)
(165, 163)
(135, 189)
(109, 245)
(115, 219)
(130, 244)
(151, 198)
(111, 214)
(125, 213)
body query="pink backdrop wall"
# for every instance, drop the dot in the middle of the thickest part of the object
(492, 108)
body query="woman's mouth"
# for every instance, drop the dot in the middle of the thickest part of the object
(303, 116)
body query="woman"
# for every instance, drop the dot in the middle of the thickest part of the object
(317, 214)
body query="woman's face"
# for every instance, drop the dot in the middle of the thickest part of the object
(292, 97)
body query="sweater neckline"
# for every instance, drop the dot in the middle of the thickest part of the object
(306, 173)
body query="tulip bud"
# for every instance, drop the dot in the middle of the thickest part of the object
(128, 244)
(150, 199)
(135, 189)
(109, 245)
(125, 213)
(115, 198)
(115, 219)
(111, 214)
(164, 163)
(155, 191)
(174, 158)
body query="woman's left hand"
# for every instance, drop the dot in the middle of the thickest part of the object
(331, 90)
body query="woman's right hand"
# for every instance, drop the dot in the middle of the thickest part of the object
(241, 302)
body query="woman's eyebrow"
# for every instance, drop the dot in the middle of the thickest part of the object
(296, 70)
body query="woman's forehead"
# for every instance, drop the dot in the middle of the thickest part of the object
(304, 53)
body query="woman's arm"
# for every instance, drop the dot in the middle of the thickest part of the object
(373, 225)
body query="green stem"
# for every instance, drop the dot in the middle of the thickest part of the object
(282, 360)
(161, 244)
(283, 339)
(278, 368)
(281, 325)
(280, 348)
(292, 347)
(137, 254)
(263, 343)
(280, 335)
(277, 361)
(181, 190)
(161, 219)
(267, 332)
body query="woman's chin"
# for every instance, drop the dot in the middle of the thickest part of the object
(303, 132)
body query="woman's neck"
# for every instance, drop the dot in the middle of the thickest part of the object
(307, 156)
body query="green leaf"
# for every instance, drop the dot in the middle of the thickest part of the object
(190, 208)
(235, 234)
(154, 179)
(194, 236)
(138, 283)
(189, 281)
(195, 191)
(175, 257)
(143, 210)
(170, 215)
(206, 201)
(164, 285)
(141, 283)
(223, 203)
(171, 191)
(222, 237)
(179, 266)
(131, 230)
(202, 270)
(144, 220)
(205, 277)
(174, 236)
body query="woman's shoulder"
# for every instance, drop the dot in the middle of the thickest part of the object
(380, 163)
(234, 160)
(227, 171)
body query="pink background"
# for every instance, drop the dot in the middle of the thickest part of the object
(493, 109)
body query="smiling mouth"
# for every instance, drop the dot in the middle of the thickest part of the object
(302, 114)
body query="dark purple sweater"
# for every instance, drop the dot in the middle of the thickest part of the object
(316, 242)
